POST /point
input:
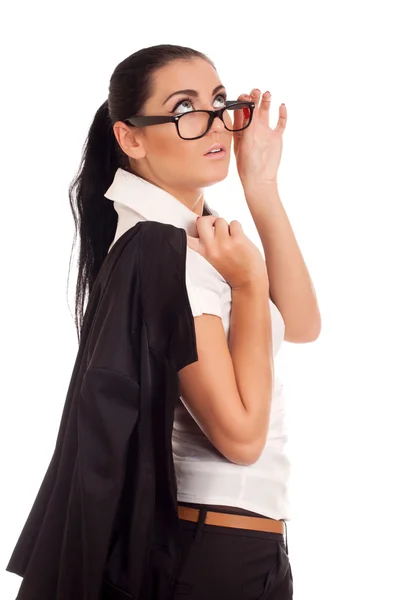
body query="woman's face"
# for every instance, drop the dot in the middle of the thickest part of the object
(166, 159)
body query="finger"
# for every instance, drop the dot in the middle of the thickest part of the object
(235, 228)
(255, 96)
(265, 106)
(282, 120)
(210, 227)
(221, 228)
(205, 227)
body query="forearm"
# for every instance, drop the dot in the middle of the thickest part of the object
(250, 345)
(291, 287)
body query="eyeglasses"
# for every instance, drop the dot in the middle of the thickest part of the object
(195, 124)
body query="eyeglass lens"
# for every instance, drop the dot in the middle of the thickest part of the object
(194, 124)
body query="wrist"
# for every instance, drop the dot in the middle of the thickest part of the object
(257, 285)
(255, 187)
(253, 182)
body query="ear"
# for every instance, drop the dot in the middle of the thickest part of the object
(129, 139)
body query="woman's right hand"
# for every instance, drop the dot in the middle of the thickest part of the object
(229, 251)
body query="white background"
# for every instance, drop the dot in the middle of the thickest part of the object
(335, 65)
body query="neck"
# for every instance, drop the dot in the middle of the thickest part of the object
(192, 198)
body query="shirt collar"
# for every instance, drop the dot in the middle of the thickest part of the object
(152, 202)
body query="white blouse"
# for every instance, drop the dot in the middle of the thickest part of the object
(203, 474)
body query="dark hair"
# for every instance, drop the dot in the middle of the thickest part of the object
(94, 215)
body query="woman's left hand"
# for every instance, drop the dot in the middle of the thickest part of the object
(258, 149)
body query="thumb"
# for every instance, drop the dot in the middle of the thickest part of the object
(238, 116)
(238, 122)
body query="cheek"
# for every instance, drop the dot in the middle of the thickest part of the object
(161, 141)
(171, 148)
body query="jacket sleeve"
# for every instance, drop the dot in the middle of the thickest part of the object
(107, 416)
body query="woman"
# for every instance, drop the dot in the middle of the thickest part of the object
(149, 157)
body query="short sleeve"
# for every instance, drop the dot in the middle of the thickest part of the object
(204, 285)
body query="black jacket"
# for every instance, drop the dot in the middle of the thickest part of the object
(104, 524)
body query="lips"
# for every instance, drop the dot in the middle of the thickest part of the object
(214, 147)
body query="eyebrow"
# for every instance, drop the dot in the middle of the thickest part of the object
(193, 92)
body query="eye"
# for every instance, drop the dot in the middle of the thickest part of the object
(181, 102)
(190, 101)
(223, 96)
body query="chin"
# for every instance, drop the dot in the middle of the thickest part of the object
(211, 176)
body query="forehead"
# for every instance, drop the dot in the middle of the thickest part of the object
(196, 74)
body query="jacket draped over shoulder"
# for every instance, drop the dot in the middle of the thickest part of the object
(104, 524)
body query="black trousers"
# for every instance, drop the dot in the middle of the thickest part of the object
(224, 563)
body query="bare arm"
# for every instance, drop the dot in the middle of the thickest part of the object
(229, 389)
(250, 344)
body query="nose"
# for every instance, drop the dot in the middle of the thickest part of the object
(217, 124)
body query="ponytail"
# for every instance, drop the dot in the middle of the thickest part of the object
(94, 215)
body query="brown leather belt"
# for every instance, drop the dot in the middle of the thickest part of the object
(226, 520)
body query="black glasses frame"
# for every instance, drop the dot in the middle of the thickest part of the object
(212, 114)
